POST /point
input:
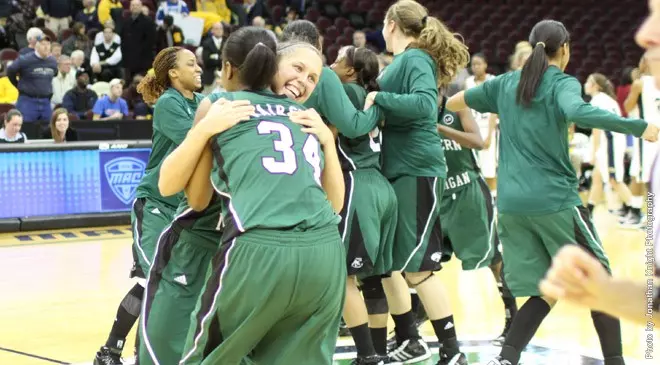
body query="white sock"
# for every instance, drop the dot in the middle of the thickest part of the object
(636, 202)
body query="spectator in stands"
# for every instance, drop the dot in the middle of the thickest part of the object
(64, 81)
(57, 14)
(8, 92)
(11, 131)
(77, 40)
(32, 74)
(168, 34)
(359, 39)
(5, 12)
(60, 130)
(77, 60)
(89, 15)
(80, 99)
(32, 35)
(171, 7)
(218, 7)
(106, 57)
(291, 15)
(134, 99)
(105, 9)
(261, 23)
(255, 8)
(56, 50)
(111, 106)
(212, 53)
(98, 38)
(139, 41)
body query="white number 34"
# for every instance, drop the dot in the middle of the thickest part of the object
(289, 163)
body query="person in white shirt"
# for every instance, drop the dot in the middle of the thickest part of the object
(64, 81)
(98, 38)
(106, 57)
(77, 60)
(11, 130)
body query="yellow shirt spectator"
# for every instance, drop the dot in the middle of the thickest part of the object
(217, 7)
(8, 93)
(104, 9)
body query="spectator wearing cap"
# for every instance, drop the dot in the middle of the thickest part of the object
(57, 13)
(11, 130)
(64, 81)
(169, 7)
(138, 41)
(111, 106)
(32, 74)
(80, 99)
(106, 58)
(212, 53)
(89, 15)
(168, 34)
(32, 35)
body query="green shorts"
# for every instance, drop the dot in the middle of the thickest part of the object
(468, 226)
(271, 297)
(418, 238)
(530, 242)
(368, 223)
(148, 220)
(175, 282)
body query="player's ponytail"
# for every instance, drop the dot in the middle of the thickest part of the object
(155, 83)
(252, 51)
(365, 63)
(449, 53)
(547, 38)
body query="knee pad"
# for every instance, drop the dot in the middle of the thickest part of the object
(374, 295)
(132, 302)
(415, 285)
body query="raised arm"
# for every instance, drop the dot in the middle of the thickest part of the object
(470, 137)
(631, 100)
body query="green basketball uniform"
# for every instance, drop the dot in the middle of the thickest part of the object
(539, 208)
(466, 211)
(412, 157)
(173, 117)
(184, 251)
(369, 214)
(274, 293)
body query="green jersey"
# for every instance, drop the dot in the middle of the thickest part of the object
(364, 151)
(270, 169)
(207, 223)
(535, 174)
(409, 96)
(329, 99)
(462, 167)
(173, 118)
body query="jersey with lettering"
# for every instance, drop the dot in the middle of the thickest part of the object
(462, 167)
(480, 118)
(364, 151)
(269, 169)
(173, 118)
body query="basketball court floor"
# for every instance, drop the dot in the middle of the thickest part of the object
(59, 292)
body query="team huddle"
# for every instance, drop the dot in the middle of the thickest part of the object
(307, 196)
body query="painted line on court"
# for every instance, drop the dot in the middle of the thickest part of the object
(64, 236)
(34, 356)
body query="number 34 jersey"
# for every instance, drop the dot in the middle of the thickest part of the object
(270, 169)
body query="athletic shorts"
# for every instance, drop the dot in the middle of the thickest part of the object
(468, 227)
(271, 297)
(148, 220)
(642, 159)
(529, 244)
(368, 222)
(418, 242)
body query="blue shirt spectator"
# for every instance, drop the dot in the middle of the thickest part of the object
(171, 7)
(111, 106)
(32, 35)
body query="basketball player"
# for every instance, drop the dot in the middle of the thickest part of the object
(487, 124)
(643, 101)
(540, 210)
(579, 278)
(176, 76)
(275, 290)
(426, 54)
(609, 148)
(467, 210)
(369, 214)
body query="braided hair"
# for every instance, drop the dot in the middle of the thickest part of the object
(154, 84)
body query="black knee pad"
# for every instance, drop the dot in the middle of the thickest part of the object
(374, 295)
(415, 285)
(132, 302)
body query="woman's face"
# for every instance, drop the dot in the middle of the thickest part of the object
(341, 67)
(590, 87)
(388, 30)
(13, 126)
(298, 73)
(62, 122)
(187, 70)
(478, 66)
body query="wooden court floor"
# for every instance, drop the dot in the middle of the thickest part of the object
(59, 292)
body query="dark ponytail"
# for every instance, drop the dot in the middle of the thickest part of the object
(252, 50)
(547, 37)
(365, 63)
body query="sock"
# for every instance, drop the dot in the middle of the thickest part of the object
(379, 337)
(523, 328)
(362, 338)
(127, 314)
(609, 334)
(636, 202)
(445, 330)
(510, 305)
(404, 327)
(415, 302)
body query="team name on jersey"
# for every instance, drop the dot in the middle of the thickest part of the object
(269, 110)
(451, 145)
(456, 181)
